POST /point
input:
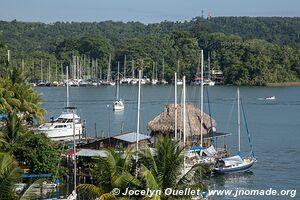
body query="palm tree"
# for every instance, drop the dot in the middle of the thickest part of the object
(164, 168)
(7, 97)
(11, 133)
(16, 95)
(115, 170)
(30, 102)
(9, 176)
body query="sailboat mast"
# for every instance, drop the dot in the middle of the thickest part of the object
(100, 72)
(67, 98)
(155, 70)
(41, 70)
(178, 63)
(8, 56)
(163, 72)
(175, 107)
(49, 72)
(56, 70)
(118, 81)
(138, 116)
(153, 75)
(74, 152)
(132, 68)
(108, 68)
(124, 67)
(239, 120)
(201, 101)
(209, 76)
(184, 113)
(62, 71)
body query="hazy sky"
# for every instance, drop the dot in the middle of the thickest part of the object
(146, 11)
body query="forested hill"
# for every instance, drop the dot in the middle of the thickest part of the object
(278, 30)
(249, 50)
(39, 36)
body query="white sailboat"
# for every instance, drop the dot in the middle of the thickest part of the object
(61, 128)
(236, 163)
(208, 81)
(118, 104)
(163, 80)
(210, 152)
(41, 83)
(108, 78)
(179, 81)
(154, 80)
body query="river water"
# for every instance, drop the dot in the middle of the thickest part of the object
(274, 125)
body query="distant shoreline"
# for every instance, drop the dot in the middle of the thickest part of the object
(285, 84)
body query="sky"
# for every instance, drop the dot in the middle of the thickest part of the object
(146, 11)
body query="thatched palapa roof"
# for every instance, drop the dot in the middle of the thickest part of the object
(164, 122)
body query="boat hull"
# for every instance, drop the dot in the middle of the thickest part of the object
(118, 105)
(237, 169)
(60, 134)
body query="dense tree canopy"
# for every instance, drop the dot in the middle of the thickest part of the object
(252, 51)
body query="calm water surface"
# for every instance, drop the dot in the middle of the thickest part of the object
(274, 125)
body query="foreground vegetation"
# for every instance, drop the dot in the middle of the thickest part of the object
(154, 171)
(21, 148)
(24, 150)
(250, 51)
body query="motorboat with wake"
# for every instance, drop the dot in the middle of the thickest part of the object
(270, 98)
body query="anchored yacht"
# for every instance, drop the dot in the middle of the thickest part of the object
(61, 128)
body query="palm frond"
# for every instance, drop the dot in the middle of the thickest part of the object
(148, 177)
(9, 175)
(107, 196)
(30, 192)
(89, 190)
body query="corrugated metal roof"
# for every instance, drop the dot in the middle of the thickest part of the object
(86, 152)
(131, 137)
(91, 153)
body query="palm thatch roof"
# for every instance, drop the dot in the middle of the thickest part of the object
(164, 122)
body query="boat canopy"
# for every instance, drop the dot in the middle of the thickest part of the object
(234, 160)
(36, 175)
(196, 148)
(210, 151)
(68, 115)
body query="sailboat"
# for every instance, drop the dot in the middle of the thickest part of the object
(179, 81)
(196, 152)
(108, 78)
(206, 81)
(41, 83)
(118, 104)
(61, 128)
(154, 75)
(163, 80)
(236, 163)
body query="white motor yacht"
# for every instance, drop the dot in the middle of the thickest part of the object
(61, 128)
